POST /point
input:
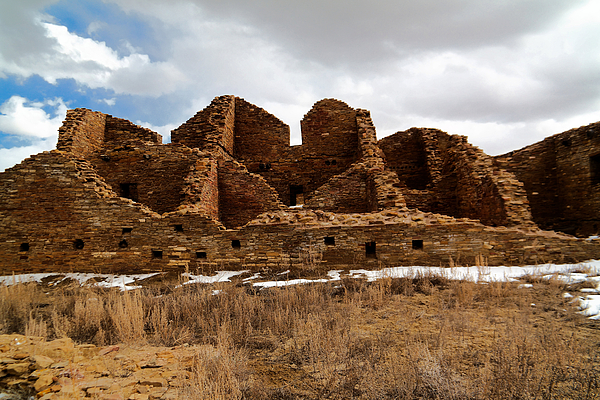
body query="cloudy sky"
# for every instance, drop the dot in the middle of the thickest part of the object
(506, 73)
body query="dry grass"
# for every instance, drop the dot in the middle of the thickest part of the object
(423, 337)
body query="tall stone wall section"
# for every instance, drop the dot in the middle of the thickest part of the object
(445, 174)
(201, 187)
(82, 132)
(151, 175)
(243, 195)
(119, 132)
(562, 179)
(113, 196)
(258, 135)
(213, 126)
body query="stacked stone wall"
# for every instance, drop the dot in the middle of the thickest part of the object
(151, 175)
(201, 187)
(96, 231)
(406, 156)
(119, 132)
(329, 129)
(243, 195)
(344, 193)
(384, 187)
(259, 136)
(560, 176)
(82, 132)
(213, 126)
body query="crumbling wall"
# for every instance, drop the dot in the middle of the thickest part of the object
(384, 189)
(213, 126)
(406, 156)
(329, 129)
(445, 174)
(259, 136)
(345, 193)
(561, 175)
(201, 187)
(120, 132)
(82, 132)
(92, 229)
(243, 195)
(151, 175)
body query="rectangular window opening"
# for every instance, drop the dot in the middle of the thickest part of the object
(595, 169)
(296, 195)
(370, 250)
(417, 244)
(24, 247)
(129, 191)
(157, 254)
(178, 228)
(127, 230)
(236, 244)
(200, 254)
(329, 240)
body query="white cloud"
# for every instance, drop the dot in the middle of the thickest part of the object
(505, 73)
(14, 155)
(21, 117)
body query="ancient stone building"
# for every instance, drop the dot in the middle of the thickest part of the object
(230, 192)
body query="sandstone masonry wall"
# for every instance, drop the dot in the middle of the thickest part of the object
(243, 195)
(113, 198)
(561, 178)
(82, 132)
(213, 126)
(259, 136)
(119, 132)
(151, 175)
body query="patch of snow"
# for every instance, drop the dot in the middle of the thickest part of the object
(567, 295)
(590, 306)
(334, 275)
(251, 278)
(525, 285)
(291, 282)
(221, 276)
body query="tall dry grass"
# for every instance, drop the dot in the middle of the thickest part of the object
(423, 337)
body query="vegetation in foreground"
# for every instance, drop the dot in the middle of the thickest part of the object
(417, 338)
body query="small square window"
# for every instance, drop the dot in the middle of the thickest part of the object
(595, 169)
(236, 244)
(200, 254)
(178, 228)
(417, 244)
(329, 240)
(123, 244)
(157, 254)
(78, 244)
(370, 250)
(24, 247)
(127, 230)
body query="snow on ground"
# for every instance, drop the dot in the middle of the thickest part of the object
(221, 276)
(589, 271)
(99, 280)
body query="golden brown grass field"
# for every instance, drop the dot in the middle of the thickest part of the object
(424, 337)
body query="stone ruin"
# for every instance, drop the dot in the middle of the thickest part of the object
(230, 192)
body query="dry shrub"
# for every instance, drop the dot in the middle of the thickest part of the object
(218, 373)
(341, 339)
(18, 305)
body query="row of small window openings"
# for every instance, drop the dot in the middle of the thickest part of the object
(417, 244)
(78, 244)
